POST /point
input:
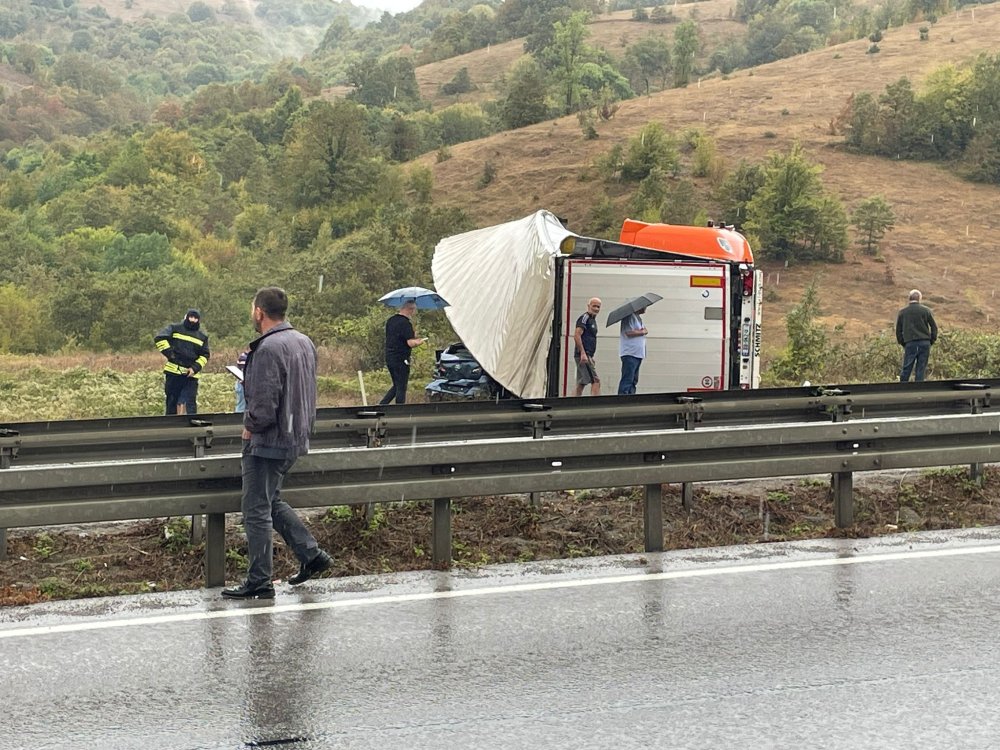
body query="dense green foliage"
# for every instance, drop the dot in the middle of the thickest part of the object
(91, 72)
(109, 238)
(955, 117)
(170, 162)
(791, 216)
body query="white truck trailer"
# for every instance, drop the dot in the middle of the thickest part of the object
(517, 289)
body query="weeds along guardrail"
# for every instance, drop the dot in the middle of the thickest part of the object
(106, 470)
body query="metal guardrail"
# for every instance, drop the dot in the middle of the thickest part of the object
(28, 443)
(45, 494)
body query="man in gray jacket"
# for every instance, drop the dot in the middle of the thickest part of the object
(279, 381)
(916, 332)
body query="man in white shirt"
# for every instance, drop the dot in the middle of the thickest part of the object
(632, 350)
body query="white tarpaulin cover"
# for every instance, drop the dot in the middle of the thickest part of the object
(500, 283)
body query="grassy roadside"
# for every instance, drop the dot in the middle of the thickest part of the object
(88, 386)
(157, 555)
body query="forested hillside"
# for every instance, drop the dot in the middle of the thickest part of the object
(154, 162)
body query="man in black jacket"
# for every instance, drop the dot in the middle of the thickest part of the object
(916, 332)
(400, 338)
(279, 381)
(185, 346)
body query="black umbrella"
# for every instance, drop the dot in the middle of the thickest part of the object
(636, 303)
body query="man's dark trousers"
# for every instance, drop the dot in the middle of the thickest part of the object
(180, 389)
(915, 353)
(264, 510)
(400, 374)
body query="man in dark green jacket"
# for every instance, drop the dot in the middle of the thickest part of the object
(916, 332)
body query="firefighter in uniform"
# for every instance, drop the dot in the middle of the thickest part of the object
(185, 346)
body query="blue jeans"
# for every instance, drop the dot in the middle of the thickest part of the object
(264, 511)
(915, 353)
(180, 389)
(630, 375)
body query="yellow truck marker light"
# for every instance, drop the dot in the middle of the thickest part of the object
(707, 281)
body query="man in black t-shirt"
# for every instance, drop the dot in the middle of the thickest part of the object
(585, 337)
(400, 338)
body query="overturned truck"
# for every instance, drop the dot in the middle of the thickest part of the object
(517, 289)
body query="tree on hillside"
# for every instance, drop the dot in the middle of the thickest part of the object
(873, 217)
(648, 59)
(738, 189)
(327, 155)
(569, 50)
(25, 327)
(861, 129)
(199, 11)
(382, 83)
(653, 148)
(747, 9)
(525, 18)
(944, 111)
(897, 119)
(269, 127)
(459, 84)
(523, 102)
(791, 216)
(139, 252)
(982, 158)
(808, 349)
(686, 45)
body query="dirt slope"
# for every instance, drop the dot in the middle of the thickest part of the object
(946, 227)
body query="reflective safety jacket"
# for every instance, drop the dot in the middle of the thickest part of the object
(183, 348)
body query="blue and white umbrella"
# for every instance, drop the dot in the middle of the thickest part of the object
(426, 299)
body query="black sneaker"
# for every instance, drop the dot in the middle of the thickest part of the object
(318, 564)
(247, 592)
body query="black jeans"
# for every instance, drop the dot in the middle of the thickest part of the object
(400, 374)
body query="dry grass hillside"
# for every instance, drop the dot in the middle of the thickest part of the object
(613, 32)
(946, 227)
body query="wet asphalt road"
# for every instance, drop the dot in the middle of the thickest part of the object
(829, 644)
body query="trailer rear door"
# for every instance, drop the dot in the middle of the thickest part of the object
(688, 345)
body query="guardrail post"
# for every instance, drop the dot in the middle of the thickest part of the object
(215, 550)
(691, 418)
(843, 499)
(200, 443)
(652, 518)
(6, 457)
(976, 474)
(537, 432)
(441, 537)
(374, 439)
(976, 470)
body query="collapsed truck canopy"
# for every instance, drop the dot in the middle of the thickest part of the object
(500, 283)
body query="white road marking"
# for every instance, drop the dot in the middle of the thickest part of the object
(516, 588)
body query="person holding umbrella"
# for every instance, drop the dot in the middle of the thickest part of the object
(632, 339)
(632, 349)
(400, 338)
